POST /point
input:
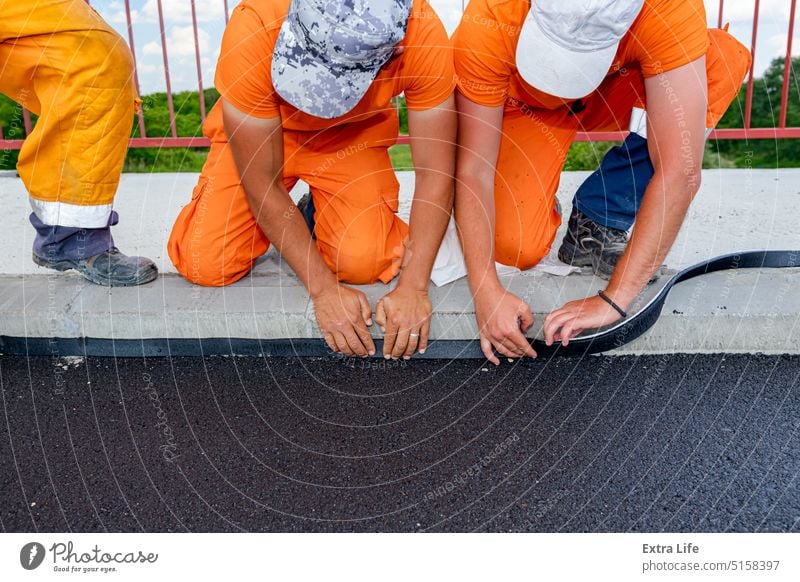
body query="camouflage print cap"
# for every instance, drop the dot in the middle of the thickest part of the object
(329, 51)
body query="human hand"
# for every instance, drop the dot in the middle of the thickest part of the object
(343, 314)
(405, 317)
(569, 321)
(503, 319)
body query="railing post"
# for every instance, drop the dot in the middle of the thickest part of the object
(199, 66)
(787, 68)
(748, 107)
(170, 105)
(129, 20)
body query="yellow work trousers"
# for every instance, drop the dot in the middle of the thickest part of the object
(62, 61)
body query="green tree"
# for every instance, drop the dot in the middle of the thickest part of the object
(764, 153)
(582, 156)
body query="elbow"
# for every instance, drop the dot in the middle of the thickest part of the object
(473, 181)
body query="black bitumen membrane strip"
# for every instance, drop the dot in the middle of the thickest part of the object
(672, 443)
(202, 347)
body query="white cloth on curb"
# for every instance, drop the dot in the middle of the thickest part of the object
(450, 266)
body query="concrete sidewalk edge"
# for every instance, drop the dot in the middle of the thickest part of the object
(746, 311)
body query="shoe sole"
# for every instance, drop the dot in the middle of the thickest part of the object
(146, 276)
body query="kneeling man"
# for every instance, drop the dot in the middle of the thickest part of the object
(531, 75)
(306, 94)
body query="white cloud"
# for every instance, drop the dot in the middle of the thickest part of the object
(742, 10)
(180, 43)
(777, 44)
(151, 48)
(148, 68)
(210, 13)
(114, 12)
(449, 12)
(180, 11)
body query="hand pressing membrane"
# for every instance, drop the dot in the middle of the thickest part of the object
(343, 315)
(574, 317)
(404, 316)
(503, 319)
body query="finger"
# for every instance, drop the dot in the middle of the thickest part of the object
(556, 312)
(554, 324)
(521, 344)
(365, 337)
(506, 349)
(423, 336)
(401, 342)
(380, 315)
(569, 331)
(565, 330)
(366, 310)
(549, 329)
(352, 339)
(413, 342)
(389, 338)
(525, 318)
(341, 344)
(486, 348)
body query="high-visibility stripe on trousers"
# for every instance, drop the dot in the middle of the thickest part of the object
(216, 238)
(62, 61)
(536, 142)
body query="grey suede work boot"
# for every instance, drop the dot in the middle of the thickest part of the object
(109, 268)
(588, 244)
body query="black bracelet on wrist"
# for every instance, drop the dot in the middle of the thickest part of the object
(608, 300)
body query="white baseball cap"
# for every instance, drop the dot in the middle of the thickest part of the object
(567, 46)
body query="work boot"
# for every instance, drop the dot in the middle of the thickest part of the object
(91, 252)
(110, 268)
(588, 244)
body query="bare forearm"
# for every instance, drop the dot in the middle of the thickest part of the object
(658, 222)
(285, 227)
(475, 216)
(430, 213)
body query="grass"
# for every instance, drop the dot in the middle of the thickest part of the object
(401, 157)
(146, 160)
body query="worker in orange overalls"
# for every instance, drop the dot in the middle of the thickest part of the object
(531, 75)
(60, 59)
(306, 94)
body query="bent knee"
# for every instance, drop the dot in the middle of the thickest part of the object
(356, 263)
(207, 267)
(200, 260)
(107, 59)
(518, 253)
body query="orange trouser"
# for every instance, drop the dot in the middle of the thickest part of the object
(216, 239)
(536, 142)
(62, 61)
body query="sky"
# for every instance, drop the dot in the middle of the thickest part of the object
(772, 33)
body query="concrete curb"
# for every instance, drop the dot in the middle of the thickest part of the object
(735, 311)
(732, 311)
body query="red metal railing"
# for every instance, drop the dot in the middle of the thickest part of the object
(174, 140)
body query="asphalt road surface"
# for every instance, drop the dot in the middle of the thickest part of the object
(672, 443)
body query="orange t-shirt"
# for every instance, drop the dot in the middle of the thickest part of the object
(667, 34)
(424, 72)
